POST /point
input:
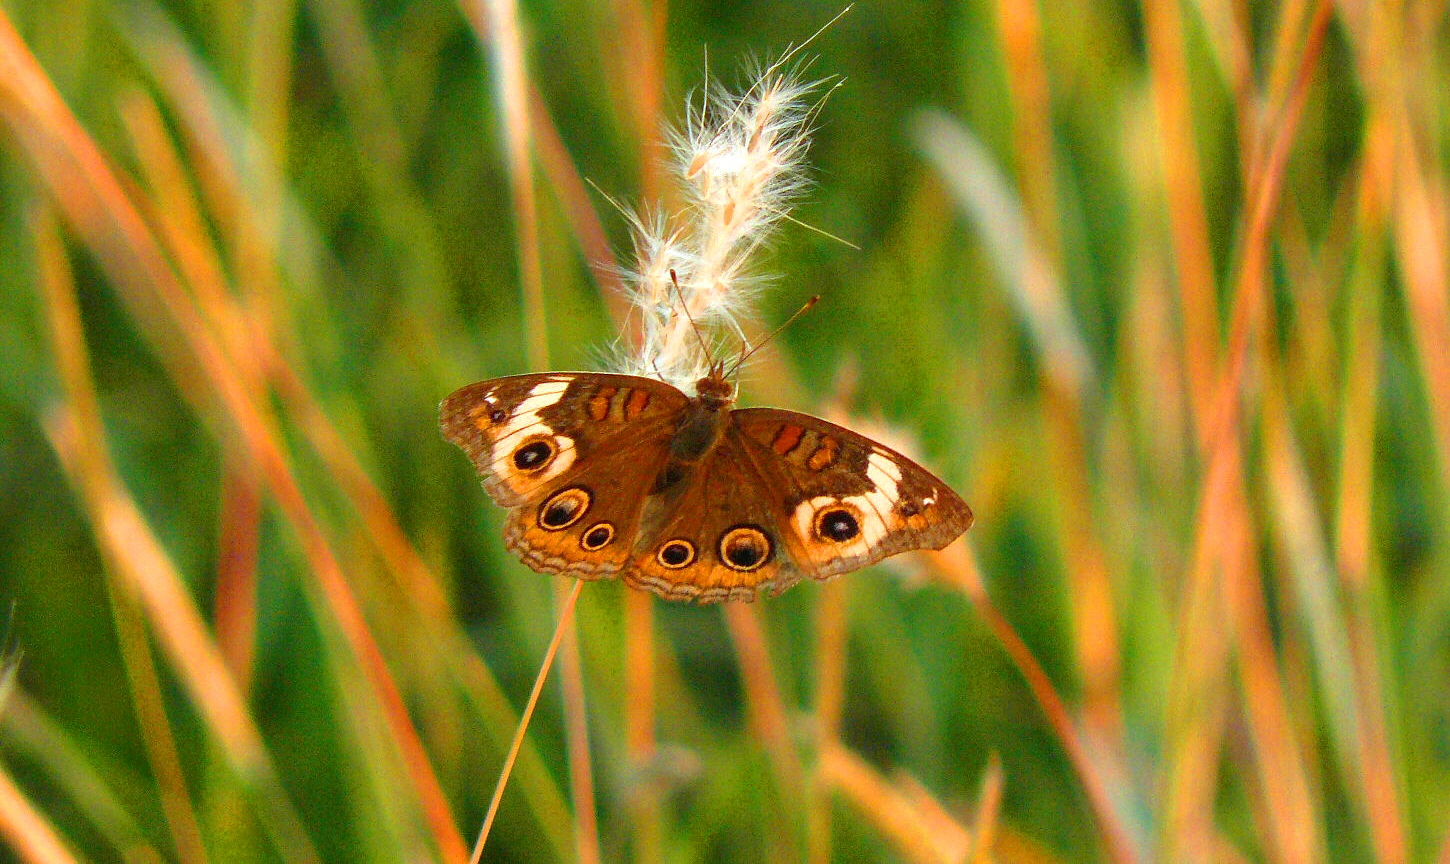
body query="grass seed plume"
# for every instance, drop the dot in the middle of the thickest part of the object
(740, 159)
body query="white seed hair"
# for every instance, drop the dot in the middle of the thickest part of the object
(740, 159)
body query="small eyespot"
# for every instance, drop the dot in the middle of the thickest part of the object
(837, 524)
(676, 554)
(535, 454)
(597, 537)
(564, 508)
(745, 548)
(498, 415)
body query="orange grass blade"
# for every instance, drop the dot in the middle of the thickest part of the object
(1187, 221)
(989, 805)
(1420, 242)
(639, 719)
(1288, 804)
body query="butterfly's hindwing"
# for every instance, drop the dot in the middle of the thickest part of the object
(718, 540)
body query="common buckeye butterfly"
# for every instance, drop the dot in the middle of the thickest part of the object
(611, 475)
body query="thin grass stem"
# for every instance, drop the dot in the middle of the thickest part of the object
(566, 613)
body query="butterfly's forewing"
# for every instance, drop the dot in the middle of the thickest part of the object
(845, 500)
(525, 433)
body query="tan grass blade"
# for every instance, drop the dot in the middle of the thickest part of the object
(68, 338)
(1197, 706)
(765, 707)
(576, 730)
(830, 675)
(496, 24)
(1354, 512)
(913, 834)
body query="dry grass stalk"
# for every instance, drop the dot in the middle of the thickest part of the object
(566, 616)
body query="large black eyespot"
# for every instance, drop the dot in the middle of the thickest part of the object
(837, 524)
(535, 454)
(745, 548)
(597, 537)
(564, 508)
(676, 554)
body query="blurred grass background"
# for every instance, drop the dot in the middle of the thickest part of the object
(1159, 287)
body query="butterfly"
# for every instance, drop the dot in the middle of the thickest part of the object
(610, 475)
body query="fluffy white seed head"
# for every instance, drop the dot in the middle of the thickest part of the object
(739, 158)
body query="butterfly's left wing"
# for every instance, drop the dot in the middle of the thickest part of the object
(845, 501)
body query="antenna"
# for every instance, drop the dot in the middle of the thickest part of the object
(704, 346)
(745, 355)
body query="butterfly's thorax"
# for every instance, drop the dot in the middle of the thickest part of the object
(698, 433)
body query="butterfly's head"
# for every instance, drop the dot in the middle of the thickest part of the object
(715, 389)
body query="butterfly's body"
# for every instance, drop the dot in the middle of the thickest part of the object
(618, 475)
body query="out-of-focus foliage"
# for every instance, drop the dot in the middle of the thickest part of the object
(1159, 287)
